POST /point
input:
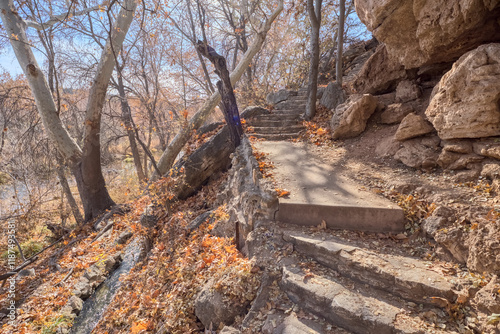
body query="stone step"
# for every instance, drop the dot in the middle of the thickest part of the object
(279, 116)
(276, 130)
(290, 105)
(302, 99)
(346, 305)
(339, 216)
(405, 277)
(277, 122)
(292, 111)
(274, 136)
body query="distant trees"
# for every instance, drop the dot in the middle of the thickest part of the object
(85, 161)
(160, 88)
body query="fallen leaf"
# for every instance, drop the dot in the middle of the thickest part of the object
(138, 327)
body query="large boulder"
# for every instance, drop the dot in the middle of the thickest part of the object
(380, 73)
(465, 103)
(332, 96)
(412, 126)
(349, 119)
(422, 32)
(254, 111)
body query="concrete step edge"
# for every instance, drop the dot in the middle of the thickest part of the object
(358, 218)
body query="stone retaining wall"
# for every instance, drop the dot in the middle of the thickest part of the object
(250, 199)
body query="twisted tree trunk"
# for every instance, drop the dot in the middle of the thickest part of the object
(229, 105)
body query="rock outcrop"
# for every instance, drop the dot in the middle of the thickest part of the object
(350, 117)
(380, 74)
(466, 102)
(418, 32)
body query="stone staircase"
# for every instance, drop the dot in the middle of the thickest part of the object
(363, 291)
(283, 122)
(347, 282)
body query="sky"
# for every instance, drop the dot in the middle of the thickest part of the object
(8, 61)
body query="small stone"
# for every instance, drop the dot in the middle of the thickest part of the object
(76, 304)
(82, 288)
(26, 273)
(148, 218)
(407, 91)
(395, 113)
(124, 237)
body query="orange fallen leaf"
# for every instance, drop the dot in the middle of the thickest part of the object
(138, 327)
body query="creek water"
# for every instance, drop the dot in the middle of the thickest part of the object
(95, 305)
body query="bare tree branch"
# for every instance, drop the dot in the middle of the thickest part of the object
(61, 17)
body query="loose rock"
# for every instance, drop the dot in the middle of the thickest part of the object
(488, 148)
(418, 153)
(350, 117)
(412, 126)
(407, 91)
(333, 95)
(395, 113)
(491, 171)
(211, 307)
(279, 96)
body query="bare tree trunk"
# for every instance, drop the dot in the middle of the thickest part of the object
(314, 9)
(127, 121)
(340, 45)
(168, 157)
(229, 105)
(88, 172)
(67, 190)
